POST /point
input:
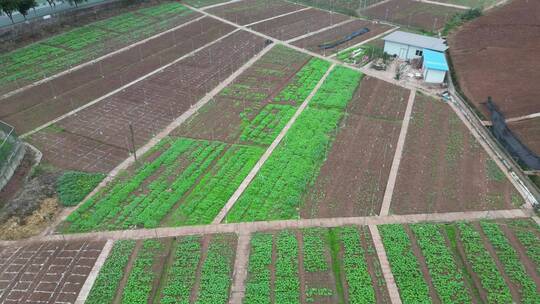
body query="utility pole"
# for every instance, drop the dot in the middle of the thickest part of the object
(133, 141)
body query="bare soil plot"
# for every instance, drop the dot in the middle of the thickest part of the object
(225, 117)
(297, 24)
(188, 269)
(312, 42)
(425, 16)
(51, 272)
(508, 36)
(444, 169)
(149, 105)
(50, 56)
(353, 178)
(528, 131)
(42, 103)
(249, 11)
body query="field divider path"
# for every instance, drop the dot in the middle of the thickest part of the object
(245, 183)
(394, 28)
(389, 191)
(120, 89)
(219, 4)
(444, 4)
(393, 291)
(524, 117)
(238, 288)
(91, 279)
(278, 16)
(251, 227)
(319, 30)
(155, 140)
(82, 65)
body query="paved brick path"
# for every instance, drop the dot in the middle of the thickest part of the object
(238, 288)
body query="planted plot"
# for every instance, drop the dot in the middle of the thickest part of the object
(228, 116)
(527, 233)
(439, 147)
(191, 269)
(303, 82)
(62, 51)
(265, 127)
(250, 11)
(315, 265)
(277, 190)
(353, 179)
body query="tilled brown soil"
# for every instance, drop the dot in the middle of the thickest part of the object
(45, 102)
(312, 43)
(353, 178)
(249, 11)
(528, 131)
(410, 13)
(497, 55)
(222, 118)
(51, 272)
(298, 24)
(444, 169)
(150, 105)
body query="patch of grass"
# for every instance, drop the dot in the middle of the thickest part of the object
(73, 186)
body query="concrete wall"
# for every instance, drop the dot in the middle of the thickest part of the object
(403, 51)
(434, 76)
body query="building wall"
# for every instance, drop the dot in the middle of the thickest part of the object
(434, 76)
(403, 51)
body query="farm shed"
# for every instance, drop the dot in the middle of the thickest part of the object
(409, 46)
(434, 66)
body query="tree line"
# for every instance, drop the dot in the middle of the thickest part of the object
(9, 7)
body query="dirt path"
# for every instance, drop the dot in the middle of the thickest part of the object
(238, 287)
(278, 16)
(385, 208)
(385, 266)
(444, 4)
(245, 183)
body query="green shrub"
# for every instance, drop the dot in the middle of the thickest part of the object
(460, 18)
(74, 186)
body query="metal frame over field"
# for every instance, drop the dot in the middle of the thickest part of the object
(267, 171)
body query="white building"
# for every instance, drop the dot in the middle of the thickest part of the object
(408, 45)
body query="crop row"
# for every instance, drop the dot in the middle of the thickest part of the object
(447, 279)
(73, 47)
(338, 89)
(511, 262)
(215, 188)
(314, 250)
(277, 190)
(181, 274)
(259, 272)
(405, 267)
(525, 232)
(265, 127)
(108, 280)
(483, 265)
(303, 82)
(139, 284)
(216, 272)
(287, 284)
(360, 288)
(120, 206)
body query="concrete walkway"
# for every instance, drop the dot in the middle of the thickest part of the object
(524, 117)
(245, 183)
(278, 16)
(389, 191)
(238, 288)
(251, 227)
(463, 7)
(319, 31)
(393, 291)
(366, 41)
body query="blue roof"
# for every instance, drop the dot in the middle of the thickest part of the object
(435, 60)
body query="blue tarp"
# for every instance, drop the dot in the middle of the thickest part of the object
(434, 60)
(345, 39)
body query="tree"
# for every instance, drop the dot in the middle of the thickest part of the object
(23, 6)
(8, 7)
